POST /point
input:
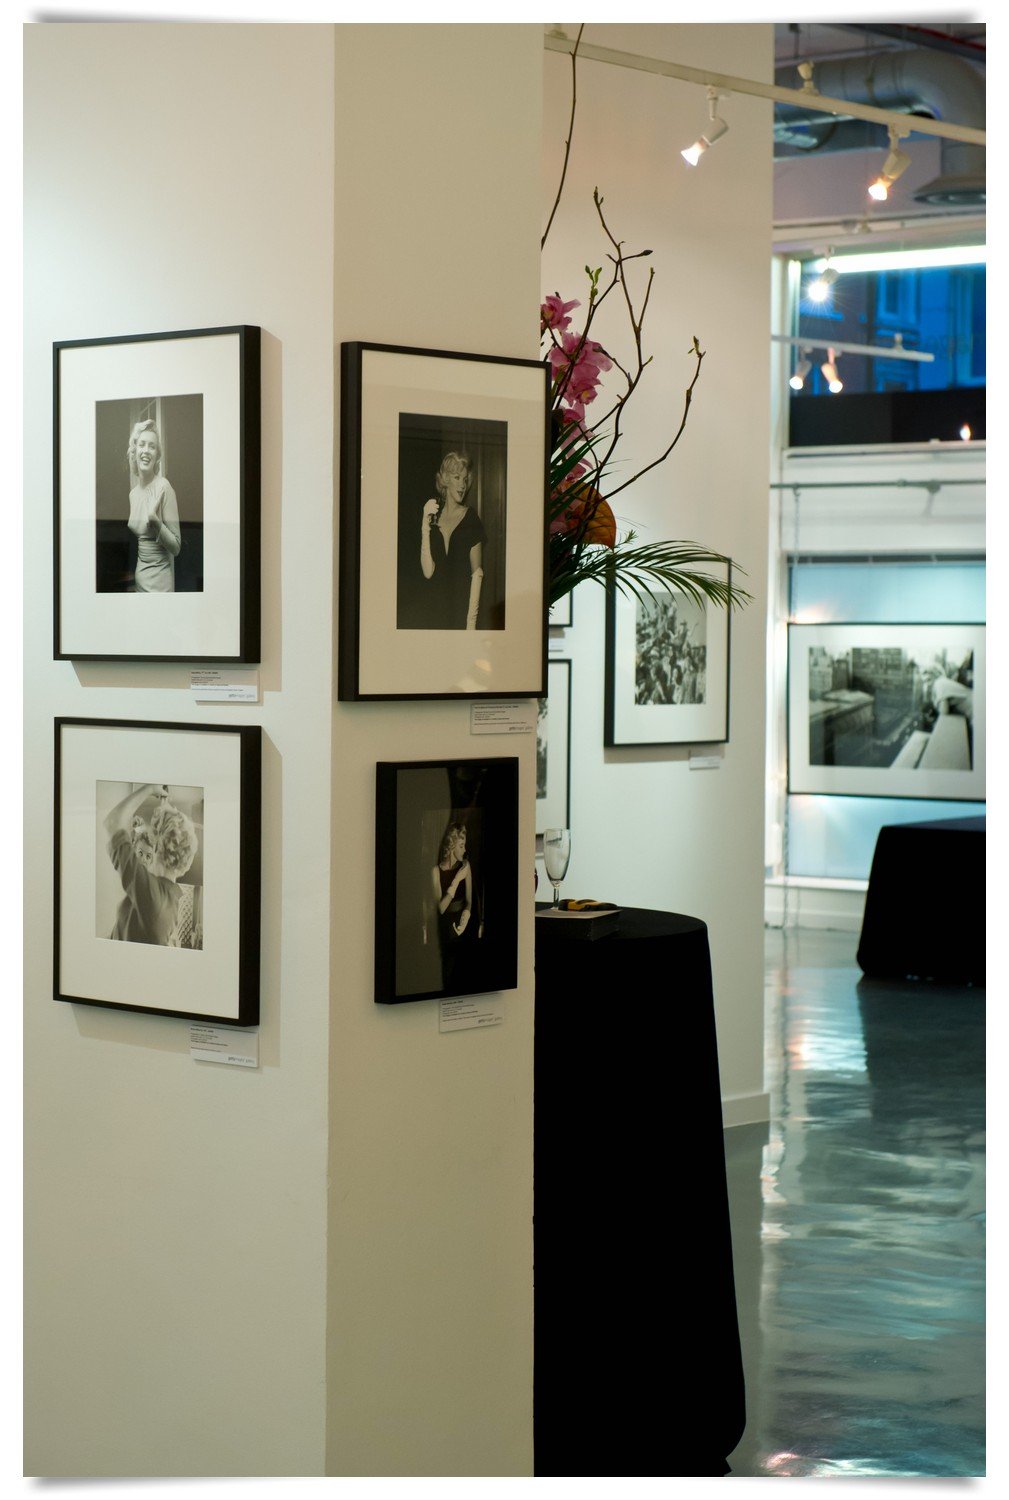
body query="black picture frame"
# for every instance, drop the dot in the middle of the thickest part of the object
(553, 749)
(642, 705)
(877, 730)
(154, 959)
(201, 388)
(420, 952)
(406, 414)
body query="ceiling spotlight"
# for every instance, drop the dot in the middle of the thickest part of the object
(714, 131)
(896, 163)
(802, 369)
(829, 372)
(819, 290)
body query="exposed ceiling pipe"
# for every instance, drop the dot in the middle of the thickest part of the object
(919, 80)
(923, 36)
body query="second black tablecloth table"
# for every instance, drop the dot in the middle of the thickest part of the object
(925, 905)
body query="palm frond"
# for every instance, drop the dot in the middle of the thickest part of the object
(637, 570)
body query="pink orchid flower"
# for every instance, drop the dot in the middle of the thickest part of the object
(580, 369)
(554, 313)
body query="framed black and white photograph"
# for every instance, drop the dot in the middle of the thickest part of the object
(157, 868)
(887, 710)
(446, 879)
(156, 474)
(553, 749)
(667, 668)
(442, 524)
(562, 614)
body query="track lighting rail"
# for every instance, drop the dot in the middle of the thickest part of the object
(881, 351)
(807, 99)
(932, 485)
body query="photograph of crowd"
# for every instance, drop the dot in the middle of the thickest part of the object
(904, 707)
(670, 650)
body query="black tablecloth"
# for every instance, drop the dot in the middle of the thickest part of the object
(924, 909)
(638, 1367)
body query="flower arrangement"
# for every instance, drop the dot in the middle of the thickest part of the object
(583, 539)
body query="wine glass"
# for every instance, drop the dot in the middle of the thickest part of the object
(556, 854)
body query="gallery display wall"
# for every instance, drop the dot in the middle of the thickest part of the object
(916, 516)
(193, 1201)
(647, 829)
(324, 1264)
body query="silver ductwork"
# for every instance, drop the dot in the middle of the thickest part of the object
(916, 81)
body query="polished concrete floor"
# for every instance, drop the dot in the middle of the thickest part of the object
(858, 1224)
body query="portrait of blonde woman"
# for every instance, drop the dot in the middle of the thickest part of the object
(149, 495)
(150, 880)
(451, 506)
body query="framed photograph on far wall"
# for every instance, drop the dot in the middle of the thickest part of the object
(446, 879)
(157, 868)
(887, 710)
(553, 750)
(667, 669)
(442, 524)
(156, 479)
(562, 614)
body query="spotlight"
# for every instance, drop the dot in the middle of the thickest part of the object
(966, 433)
(829, 372)
(819, 290)
(802, 369)
(896, 163)
(716, 128)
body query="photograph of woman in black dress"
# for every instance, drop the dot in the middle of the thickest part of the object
(446, 909)
(452, 502)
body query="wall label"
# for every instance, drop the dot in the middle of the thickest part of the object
(474, 1010)
(503, 718)
(238, 1046)
(230, 685)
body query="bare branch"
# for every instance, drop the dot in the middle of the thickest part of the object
(571, 131)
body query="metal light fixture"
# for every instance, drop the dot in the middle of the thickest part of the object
(802, 369)
(896, 163)
(819, 290)
(829, 372)
(716, 128)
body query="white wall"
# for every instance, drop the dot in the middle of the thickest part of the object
(430, 1320)
(180, 177)
(648, 831)
(324, 1264)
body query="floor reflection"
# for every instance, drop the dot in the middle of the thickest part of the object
(858, 1224)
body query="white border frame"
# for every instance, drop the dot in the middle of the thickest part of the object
(637, 724)
(202, 984)
(377, 659)
(205, 626)
(886, 781)
(554, 809)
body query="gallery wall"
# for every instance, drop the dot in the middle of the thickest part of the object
(323, 1264)
(647, 829)
(925, 506)
(430, 1291)
(176, 1211)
